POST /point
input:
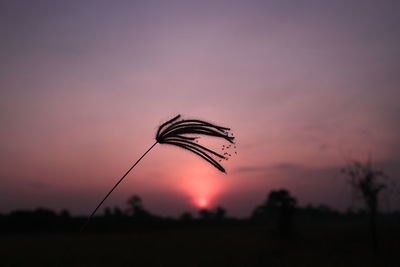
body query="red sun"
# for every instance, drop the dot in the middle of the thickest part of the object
(202, 203)
(201, 184)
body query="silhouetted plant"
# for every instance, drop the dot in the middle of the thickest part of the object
(220, 213)
(118, 212)
(368, 184)
(205, 214)
(186, 216)
(107, 212)
(284, 203)
(176, 133)
(65, 214)
(317, 212)
(135, 205)
(184, 134)
(136, 208)
(279, 207)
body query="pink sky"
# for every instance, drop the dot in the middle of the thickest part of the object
(84, 87)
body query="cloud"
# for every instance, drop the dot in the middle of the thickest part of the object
(284, 166)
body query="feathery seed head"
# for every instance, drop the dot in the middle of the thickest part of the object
(184, 134)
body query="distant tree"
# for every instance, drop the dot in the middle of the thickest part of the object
(136, 208)
(279, 207)
(118, 212)
(284, 204)
(135, 204)
(205, 214)
(65, 214)
(186, 216)
(321, 211)
(367, 183)
(220, 213)
(260, 213)
(44, 213)
(107, 212)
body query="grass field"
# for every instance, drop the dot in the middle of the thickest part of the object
(327, 245)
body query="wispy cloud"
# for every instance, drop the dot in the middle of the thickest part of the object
(284, 166)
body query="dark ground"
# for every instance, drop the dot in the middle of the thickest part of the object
(312, 244)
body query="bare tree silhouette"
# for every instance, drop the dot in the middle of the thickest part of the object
(367, 183)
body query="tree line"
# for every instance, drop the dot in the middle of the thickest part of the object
(279, 210)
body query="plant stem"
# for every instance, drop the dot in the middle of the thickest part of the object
(115, 186)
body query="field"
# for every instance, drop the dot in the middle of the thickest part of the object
(310, 245)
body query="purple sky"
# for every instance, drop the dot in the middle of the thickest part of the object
(304, 86)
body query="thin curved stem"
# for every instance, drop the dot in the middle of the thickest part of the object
(115, 186)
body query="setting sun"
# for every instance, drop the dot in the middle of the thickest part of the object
(202, 184)
(202, 203)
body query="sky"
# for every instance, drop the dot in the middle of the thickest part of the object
(305, 87)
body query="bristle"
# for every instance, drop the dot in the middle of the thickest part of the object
(184, 134)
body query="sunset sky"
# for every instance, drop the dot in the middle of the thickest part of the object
(304, 85)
